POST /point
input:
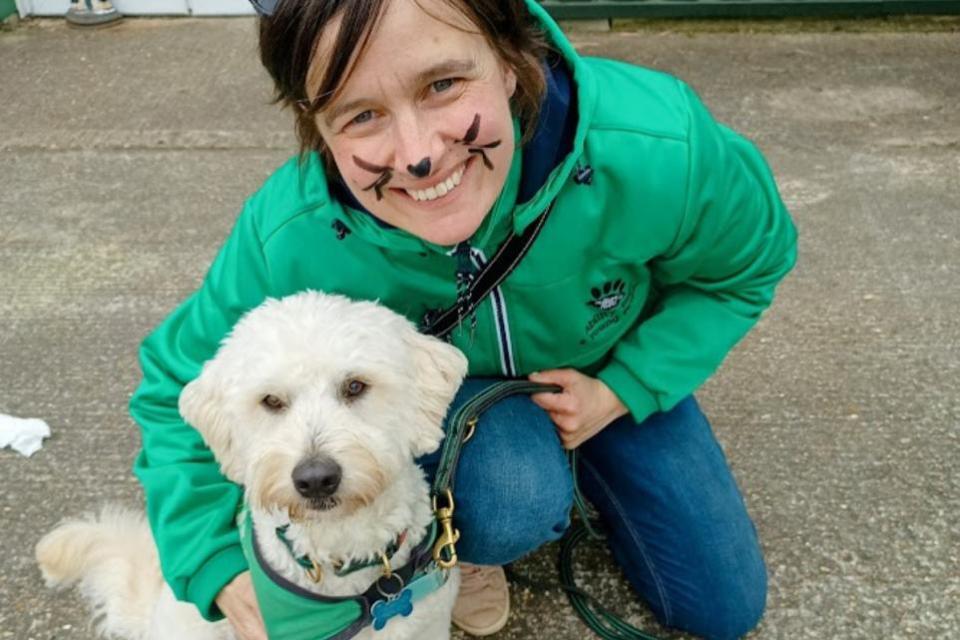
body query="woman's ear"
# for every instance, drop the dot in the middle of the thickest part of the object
(439, 369)
(509, 80)
(202, 404)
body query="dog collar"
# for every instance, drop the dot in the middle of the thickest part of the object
(314, 570)
(293, 613)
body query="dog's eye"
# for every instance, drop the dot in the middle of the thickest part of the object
(354, 388)
(272, 402)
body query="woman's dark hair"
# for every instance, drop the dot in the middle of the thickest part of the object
(289, 38)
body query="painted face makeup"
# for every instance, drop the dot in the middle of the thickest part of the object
(386, 174)
(396, 128)
(472, 131)
(421, 169)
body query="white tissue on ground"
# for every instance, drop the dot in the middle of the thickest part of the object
(25, 435)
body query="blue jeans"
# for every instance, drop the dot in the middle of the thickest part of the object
(676, 522)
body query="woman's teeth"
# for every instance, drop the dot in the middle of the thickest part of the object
(439, 189)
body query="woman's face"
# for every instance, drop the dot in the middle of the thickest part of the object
(421, 132)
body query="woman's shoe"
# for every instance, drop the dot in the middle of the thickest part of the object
(483, 604)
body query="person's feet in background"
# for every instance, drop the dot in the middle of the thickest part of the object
(92, 13)
(483, 604)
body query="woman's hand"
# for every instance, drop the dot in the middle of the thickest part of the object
(585, 407)
(239, 603)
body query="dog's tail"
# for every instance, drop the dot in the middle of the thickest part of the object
(114, 558)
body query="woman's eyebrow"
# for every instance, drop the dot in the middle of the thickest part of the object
(445, 68)
(439, 70)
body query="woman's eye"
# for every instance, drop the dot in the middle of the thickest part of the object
(354, 388)
(442, 85)
(362, 118)
(272, 402)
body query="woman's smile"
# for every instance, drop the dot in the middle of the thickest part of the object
(439, 190)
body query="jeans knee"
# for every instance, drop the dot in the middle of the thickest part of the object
(513, 518)
(514, 489)
(732, 612)
(503, 546)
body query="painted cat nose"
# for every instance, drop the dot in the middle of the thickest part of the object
(421, 169)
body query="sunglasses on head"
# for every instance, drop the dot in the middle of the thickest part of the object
(265, 7)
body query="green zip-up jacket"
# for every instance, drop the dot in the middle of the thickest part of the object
(645, 275)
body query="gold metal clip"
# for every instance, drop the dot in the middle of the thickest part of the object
(315, 572)
(448, 536)
(472, 426)
(387, 570)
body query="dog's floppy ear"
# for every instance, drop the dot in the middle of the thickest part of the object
(202, 405)
(439, 370)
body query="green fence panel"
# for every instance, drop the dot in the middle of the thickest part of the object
(566, 9)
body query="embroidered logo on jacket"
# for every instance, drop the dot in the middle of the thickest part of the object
(609, 300)
(609, 296)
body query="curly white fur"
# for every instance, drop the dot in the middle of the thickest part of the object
(303, 350)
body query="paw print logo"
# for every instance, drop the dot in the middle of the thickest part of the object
(609, 296)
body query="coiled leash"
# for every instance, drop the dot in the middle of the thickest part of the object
(460, 429)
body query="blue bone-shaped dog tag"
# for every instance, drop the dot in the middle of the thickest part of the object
(383, 610)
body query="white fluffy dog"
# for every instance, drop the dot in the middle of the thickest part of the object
(318, 406)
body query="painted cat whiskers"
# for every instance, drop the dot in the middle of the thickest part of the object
(468, 138)
(386, 174)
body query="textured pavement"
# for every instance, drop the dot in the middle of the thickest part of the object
(126, 153)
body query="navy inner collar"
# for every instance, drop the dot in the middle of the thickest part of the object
(556, 128)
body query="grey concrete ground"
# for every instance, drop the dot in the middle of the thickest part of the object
(126, 153)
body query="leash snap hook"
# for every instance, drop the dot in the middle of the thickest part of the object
(448, 536)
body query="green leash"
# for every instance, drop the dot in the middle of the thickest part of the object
(460, 429)
(600, 619)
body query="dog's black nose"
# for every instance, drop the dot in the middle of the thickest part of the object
(317, 477)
